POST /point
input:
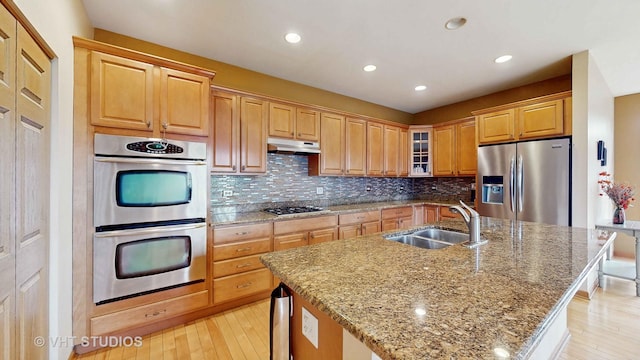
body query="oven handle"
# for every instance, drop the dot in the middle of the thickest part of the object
(149, 161)
(116, 233)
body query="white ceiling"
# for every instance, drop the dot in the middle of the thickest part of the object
(405, 39)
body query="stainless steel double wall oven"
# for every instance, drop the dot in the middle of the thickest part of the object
(150, 206)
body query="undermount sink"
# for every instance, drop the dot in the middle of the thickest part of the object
(430, 238)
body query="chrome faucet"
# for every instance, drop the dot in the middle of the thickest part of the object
(472, 219)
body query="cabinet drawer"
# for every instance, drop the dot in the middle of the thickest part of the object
(359, 217)
(306, 224)
(143, 315)
(242, 232)
(236, 266)
(290, 241)
(245, 248)
(445, 212)
(241, 285)
(395, 213)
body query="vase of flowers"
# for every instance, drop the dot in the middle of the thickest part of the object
(621, 194)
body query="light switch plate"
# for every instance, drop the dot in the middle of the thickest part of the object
(310, 327)
(227, 193)
(319, 190)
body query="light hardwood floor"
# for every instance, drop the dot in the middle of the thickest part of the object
(606, 327)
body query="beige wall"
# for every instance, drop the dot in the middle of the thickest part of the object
(57, 21)
(235, 77)
(626, 164)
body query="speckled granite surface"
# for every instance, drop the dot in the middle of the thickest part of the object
(236, 218)
(502, 294)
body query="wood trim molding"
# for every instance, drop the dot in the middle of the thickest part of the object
(537, 100)
(136, 55)
(452, 122)
(22, 19)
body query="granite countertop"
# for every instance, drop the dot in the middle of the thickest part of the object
(237, 218)
(500, 295)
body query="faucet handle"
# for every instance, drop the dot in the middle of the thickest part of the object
(472, 212)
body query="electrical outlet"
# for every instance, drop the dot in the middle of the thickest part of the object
(319, 190)
(310, 327)
(368, 188)
(227, 193)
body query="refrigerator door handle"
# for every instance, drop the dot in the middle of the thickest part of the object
(512, 185)
(520, 183)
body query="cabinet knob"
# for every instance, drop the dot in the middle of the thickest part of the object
(233, 168)
(148, 124)
(244, 168)
(164, 126)
(292, 133)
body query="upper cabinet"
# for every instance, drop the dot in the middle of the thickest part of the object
(331, 159)
(238, 134)
(291, 122)
(355, 147)
(455, 148)
(420, 150)
(541, 117)
(137, 94)
(387, 153)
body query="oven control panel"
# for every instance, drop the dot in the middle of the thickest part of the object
(154, 147)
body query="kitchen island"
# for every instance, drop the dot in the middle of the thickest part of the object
(500, 300)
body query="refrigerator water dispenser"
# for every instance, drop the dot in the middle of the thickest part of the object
(492, 190)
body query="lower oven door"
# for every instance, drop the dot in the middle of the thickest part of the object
(128, 263)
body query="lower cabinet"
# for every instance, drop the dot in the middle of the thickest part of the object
(144, 315)
(360, 223)
(447, 214)
(397, 218)
(306, 231)
(237, 270)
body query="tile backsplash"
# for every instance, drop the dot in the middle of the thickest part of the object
(287, 183)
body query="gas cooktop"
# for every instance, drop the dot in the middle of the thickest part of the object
(292, 210)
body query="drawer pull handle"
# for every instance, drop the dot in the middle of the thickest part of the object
(360, 217)
(245, 285)
(155, 313)
(243, 233)
(244, 249)
(243, 265)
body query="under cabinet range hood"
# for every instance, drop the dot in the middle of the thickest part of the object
(289, 146)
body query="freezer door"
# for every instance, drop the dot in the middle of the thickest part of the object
(496, 177)
(543, 181)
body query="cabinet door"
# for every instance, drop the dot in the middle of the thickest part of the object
(307, 124)
(497, 126)
(332, 144)
(356, 147)
(403, 149)
(225, 134)
(389, 224)
(281, 120)
(375, 149)
(467, 151)
(253, 135)
(289, 241)
(539, 120)
(447, 214)
(121, 92)
(324, 235)
(349, 231)
(184, 103)
(391, 150)
(371, 227)
(405, 222)
(418, 214)
(420, 150)
(444, 150)
(431, 214)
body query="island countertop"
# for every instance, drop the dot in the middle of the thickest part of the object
(501, 295)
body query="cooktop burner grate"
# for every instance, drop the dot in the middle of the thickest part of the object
(290, 210)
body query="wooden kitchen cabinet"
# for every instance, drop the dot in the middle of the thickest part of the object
(391, 150)
(291, 122)
(387, 153)
(331, 159)
(375, 149)
(425, 214)
(237, 270)
(123, 95)
(359, 223)
(396, 218)
(355, 147)
(306, 231)
(447, 214)
(455, 149)
(238, 134)
(403, 153)
(541, 117)
(420, 145)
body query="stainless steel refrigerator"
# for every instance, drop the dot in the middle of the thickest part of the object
(529, 181)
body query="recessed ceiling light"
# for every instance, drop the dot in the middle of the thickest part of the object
(455, 23)
(502, 59)
(369, 68)
(421, 87)
(292, 38)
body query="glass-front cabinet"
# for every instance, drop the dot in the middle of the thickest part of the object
(420, 152)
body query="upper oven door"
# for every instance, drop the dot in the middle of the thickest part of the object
(140, 190)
